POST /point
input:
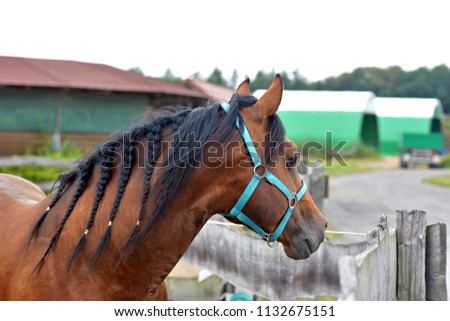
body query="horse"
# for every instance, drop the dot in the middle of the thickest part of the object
(123, 215)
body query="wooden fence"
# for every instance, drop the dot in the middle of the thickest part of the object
(317, 182)
(19, 142)
(403, 263)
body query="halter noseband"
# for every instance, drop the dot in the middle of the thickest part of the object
(292, 197)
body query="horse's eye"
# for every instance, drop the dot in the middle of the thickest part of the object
(292, 161)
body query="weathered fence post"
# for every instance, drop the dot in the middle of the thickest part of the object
(436, 262)
(317, 182)
(372, 274)
(411, 239)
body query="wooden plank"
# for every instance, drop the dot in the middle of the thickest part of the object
(317, 182)
(84, 141)
(436, 262)
(371, 276)
(38, 161)
(19, 142)
(411, 242)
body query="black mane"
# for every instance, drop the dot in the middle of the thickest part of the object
(190, 128)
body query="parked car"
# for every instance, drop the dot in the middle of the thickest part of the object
(421, 149)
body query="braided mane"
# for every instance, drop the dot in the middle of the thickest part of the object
(190, 129)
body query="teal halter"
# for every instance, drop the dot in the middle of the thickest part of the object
(292, 197)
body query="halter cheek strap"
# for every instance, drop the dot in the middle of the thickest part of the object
(292, 197)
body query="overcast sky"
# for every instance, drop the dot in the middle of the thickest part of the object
(319, 38)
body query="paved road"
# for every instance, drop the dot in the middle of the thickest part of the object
(357, 201)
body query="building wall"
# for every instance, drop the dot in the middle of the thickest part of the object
(28, 116)
(304, 126)
(27, 110)
(97, 113)
(391, 130)
(81, 111)
(369, 131)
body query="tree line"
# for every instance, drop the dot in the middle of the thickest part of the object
(388, 82)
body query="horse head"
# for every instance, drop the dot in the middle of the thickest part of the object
(265, 190)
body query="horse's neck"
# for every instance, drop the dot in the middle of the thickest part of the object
(167, 240)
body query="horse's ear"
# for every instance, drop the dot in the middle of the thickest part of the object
(270, 101)
(244, 88)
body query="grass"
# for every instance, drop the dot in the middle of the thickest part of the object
(443, 180)
(68, 150)
(34, 173)
(351, 166)
(38, 174)
(354, 160)
(445, 161)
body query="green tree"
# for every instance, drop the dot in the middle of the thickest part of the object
(217, 78)
(441, 84)
(234, 79)
(170, 77)
(298, 82)
(137, 70)
(394, 82)
(262, 80)
(388, 82)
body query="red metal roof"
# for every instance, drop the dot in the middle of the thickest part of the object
(30, 72)
(213, 91)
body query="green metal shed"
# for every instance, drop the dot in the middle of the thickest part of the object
(397, 116)
(345, 115)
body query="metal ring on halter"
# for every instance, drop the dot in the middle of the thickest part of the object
(293, 200)
(270, 243)
(256, 174)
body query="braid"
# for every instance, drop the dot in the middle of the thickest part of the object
(84, 173)
(65, 180)
(179, 119)
(169, 175)
(101, 186)
(124, 176)
(154, 145)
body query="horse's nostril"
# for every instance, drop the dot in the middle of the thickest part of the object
(326, 225)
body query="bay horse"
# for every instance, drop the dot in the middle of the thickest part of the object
(122, 217)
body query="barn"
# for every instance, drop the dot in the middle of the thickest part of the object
(397, 116)
(345, 115)
(213, 91)
(75, 101)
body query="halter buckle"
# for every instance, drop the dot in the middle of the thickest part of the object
(255, 173)
(293, 200)
(267, 239)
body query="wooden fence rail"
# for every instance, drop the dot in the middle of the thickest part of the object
(16, 161)
(390, 264)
